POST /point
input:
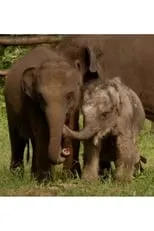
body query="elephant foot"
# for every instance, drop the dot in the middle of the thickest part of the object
(42, 177)
(71, 166)
(89, 175)
(17, 170)
(124, 175)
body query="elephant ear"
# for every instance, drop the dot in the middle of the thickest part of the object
(93, 57)
(88, 65)
(28, 82)
(87, 61)
(90, 59)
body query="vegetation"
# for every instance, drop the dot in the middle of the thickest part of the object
(143, 185)
(10, 54)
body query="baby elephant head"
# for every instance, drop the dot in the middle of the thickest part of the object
(101, 109)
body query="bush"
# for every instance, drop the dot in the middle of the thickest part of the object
(11, 54)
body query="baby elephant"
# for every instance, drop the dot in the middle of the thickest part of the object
(112, 109)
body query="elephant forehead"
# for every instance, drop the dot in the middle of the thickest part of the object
(89, 109)
(50, 88)
(96, 96)
(56, 90)
(56, 70)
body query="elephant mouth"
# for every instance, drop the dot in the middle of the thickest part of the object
(66, 151)
(66, 147)
(66, 144)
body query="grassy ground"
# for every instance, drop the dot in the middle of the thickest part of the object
(12, 186)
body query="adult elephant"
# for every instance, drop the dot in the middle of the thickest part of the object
(128, 56)
(42, 91)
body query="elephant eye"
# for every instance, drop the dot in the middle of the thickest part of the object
(104, 114)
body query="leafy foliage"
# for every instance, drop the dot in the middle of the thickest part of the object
(11, 54)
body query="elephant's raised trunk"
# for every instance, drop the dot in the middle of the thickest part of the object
(56, 119)
(86, 133)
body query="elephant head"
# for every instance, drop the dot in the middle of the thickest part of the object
(55, 86)
(101, 109)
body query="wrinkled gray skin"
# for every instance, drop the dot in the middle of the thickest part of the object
(109, 107)
(42, 90)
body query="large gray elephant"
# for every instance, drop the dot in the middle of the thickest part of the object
(110, 108)
(128, 56)
(42, 91)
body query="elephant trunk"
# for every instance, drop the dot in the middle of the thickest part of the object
(86, 133)
(56, 119)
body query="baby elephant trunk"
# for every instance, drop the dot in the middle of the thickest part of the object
(86, 133)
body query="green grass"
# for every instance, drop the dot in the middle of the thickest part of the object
(62, 186)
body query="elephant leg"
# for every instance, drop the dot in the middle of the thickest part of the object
(127, 158)
(17, 142)
(76, 167)
(104, 168)
(72, 163)
(34, 160)
(18, 145)
(104, 162)
(107, 154)
(91, 160)
(41, 165)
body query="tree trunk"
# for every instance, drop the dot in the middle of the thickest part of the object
(29, 40)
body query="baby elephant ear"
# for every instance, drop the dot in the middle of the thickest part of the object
(28, 81)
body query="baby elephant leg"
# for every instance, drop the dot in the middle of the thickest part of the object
(127, 157)
(91, 160)
(107, 155)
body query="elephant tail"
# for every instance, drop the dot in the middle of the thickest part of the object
(28, 152)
